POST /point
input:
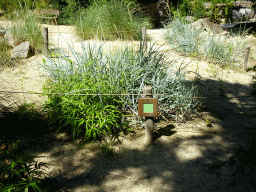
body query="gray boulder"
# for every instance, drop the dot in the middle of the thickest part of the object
(242, 14)
(21, 51)
(205, 24)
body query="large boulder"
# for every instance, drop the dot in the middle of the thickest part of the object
(21, 51)
(242, 14)
(207, 25)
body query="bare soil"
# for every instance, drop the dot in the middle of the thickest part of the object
(184, 156)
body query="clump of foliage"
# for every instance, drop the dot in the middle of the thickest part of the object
(17, 172)
(196, 8)
(15, 5)
(224, 50)
(26, 27)
(110, 20)
(120, 71)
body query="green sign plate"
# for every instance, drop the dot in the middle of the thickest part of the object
(147, 107)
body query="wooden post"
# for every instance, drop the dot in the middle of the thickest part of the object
(144, 38)
(247, 50)
(149, 124)
(45, 33)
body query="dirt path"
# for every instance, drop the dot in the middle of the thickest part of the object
(181, 156)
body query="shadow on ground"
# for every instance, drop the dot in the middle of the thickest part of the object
(177, 161)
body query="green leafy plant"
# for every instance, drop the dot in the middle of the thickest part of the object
(17, 172)
(110, 20)
(196, 9)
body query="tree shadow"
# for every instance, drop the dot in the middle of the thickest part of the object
(177, 161)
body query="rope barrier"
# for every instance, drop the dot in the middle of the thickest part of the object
(125, 94)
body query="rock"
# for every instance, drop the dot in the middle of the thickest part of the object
(205, 24)
(9, 38)
(239, 26)
(207, 5)
(189, 18)
(242, 14)
(21, 51)
(212, 27)
(247, 4)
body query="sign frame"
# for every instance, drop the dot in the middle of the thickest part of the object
(142, 101)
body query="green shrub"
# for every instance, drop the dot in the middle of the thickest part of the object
(110, 20)
(26, 27)
(196, 9)
(14, 5)
(121, 71)
(17, 172)
(224, 50)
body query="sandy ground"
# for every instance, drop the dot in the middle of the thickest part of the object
(182, 153)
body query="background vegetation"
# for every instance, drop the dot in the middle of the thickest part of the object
(26, 27)
(197, 10)
(110, 20)
(224, 50)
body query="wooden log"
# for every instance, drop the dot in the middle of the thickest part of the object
(144, 38)
(247, 51)
(149, 124)
(45, 34)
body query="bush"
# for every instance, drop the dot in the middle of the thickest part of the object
(224, 50)
(197, 9)
(12, 5)
(110, 20)
(120, 71)
(26, 27)
(17, 172)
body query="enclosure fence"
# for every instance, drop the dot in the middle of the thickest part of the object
(9, 98)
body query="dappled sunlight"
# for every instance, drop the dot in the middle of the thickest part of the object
(188, 150)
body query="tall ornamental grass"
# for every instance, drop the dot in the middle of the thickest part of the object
(120, 71)
(225, 50)
(109, 20)
(26, 27)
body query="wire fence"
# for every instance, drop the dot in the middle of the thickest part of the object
(9, 82)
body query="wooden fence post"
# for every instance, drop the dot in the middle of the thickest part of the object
(247, 51)
(149, 124)
(45, 33)
(144, 38)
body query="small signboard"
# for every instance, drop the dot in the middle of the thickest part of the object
(147, 107)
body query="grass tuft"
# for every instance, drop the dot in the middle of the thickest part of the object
(26, 27)
(224, 50)
(110, 20)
